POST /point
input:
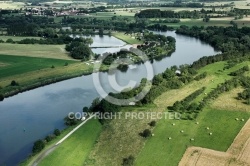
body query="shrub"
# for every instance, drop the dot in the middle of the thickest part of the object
(14, 83)
(49, 138)
(38, 146)
(10, 41)
(146, 133)
(152, 123)
(128, 161)
(57, 132)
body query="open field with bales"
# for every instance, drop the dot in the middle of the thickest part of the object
(237, 153)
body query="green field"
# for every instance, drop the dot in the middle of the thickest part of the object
(16, 65)
(35, 50)
(159, 149)
(76, 148)
(126, 38)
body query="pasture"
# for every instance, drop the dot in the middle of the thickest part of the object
(16, 65)
(36, 50)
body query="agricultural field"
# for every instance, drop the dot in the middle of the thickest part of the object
(237, 153)
(35, 50)
(16, 65)
(11, 5)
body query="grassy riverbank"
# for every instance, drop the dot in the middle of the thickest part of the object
(121, 138)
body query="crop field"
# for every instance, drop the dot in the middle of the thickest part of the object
(11, 5)
(36, 50)
(16, 65)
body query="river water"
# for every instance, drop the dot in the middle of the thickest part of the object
(41, 110)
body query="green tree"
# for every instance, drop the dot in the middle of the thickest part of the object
(81, 52)
(57, 132)
(38, 146)
(146, 133)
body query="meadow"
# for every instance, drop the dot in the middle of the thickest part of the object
(35, 50)
(159, 149)
(16, 65)
(126, 38)
(77, 147)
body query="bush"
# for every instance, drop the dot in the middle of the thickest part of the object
(49, 138)
(146, 133)
(152, 123)
(38, 146)
(128, 161)
(14, 83)
(10, 41)
(57, 132)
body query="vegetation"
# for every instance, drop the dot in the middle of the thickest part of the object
(79, 144)
(38, 146)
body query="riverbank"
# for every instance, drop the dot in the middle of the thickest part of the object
(28, 79)
(131, 143)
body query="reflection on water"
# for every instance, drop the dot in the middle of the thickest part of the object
(41, 110)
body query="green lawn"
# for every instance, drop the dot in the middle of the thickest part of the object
(159, 149)
(76, 148)
(126, 38)
(16, 65)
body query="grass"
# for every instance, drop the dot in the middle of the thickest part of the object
(126, 38)
(36, 50)
(228, 101)
(77, 147)
(121, 138)
(31, 159)
(16, 65)
(11, 5)
(160, 150)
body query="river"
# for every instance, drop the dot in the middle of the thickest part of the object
(41, 110)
